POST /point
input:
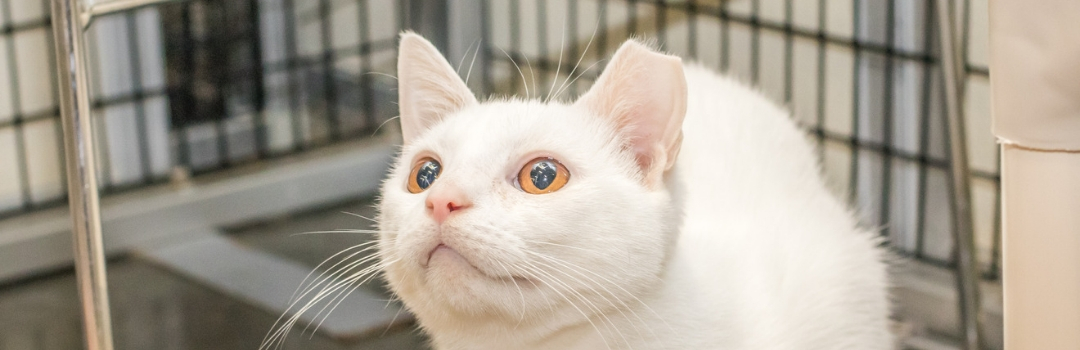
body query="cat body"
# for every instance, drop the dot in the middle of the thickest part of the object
(694, 217)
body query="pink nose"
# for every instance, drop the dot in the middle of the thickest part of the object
(444, 200)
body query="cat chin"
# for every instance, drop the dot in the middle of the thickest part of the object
(453, 288)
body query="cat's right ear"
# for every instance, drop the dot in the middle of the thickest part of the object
(644, 93)
(428, 87)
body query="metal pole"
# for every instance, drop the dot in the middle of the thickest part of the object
(967, 276)
(103, 8)
(81, 173)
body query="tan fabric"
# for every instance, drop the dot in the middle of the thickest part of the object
(1035, 74)
(1042, 249)
(1035, 88)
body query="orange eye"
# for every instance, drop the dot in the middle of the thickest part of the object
(543, 175)
(424, 174)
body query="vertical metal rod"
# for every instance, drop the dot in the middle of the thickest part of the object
(81, 173)
(967, 276)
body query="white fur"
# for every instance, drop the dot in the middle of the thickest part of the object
(742, 248)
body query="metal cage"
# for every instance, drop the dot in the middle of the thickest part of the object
(163, 90)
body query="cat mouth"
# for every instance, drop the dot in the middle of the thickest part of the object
(443, 248)
(449, 253)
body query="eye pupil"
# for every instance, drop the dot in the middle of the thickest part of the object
(427, 174)
(543, 174)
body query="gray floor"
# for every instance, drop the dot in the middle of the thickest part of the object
(156, 309)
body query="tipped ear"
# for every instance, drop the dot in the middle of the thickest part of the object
(644, 93)
(428, 87)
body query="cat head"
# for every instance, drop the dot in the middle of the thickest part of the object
(524, 210)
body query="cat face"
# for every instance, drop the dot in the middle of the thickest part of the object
(522, 210)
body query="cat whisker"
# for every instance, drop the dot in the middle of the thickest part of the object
(458, 69)
(567, 83)
(296, 299)
(578, 295)
(335, 231)
(523, 83)
(393, 297)
(557, 245)
(284, 323)
(339, 290)
(361, 216)
(342, 279)
(341, 295)
(392, 320)
(532, 74)
(382, 74)
(580, 75)
(532, 270)
(475, 52)
(314, 302)
(362, 276)
(593, 282)
(384, 123)
(558, 67)
(339, 273)
(623, 290)
(522, 319)
(592, 305)
(369, 243)
(354, 230)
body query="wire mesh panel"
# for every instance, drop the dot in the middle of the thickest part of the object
(194, 86)
(30, 147)
(862, 76)
(206, 84)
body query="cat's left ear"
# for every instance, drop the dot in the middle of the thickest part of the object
(428, 87)
(644, 93)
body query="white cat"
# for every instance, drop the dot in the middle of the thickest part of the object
(524, 224)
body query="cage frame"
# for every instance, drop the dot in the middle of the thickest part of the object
(71, 19)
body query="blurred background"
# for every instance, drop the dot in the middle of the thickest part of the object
(226, 127)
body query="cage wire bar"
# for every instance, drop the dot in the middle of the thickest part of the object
(74, 106)
(966, 271)
(70, 21)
